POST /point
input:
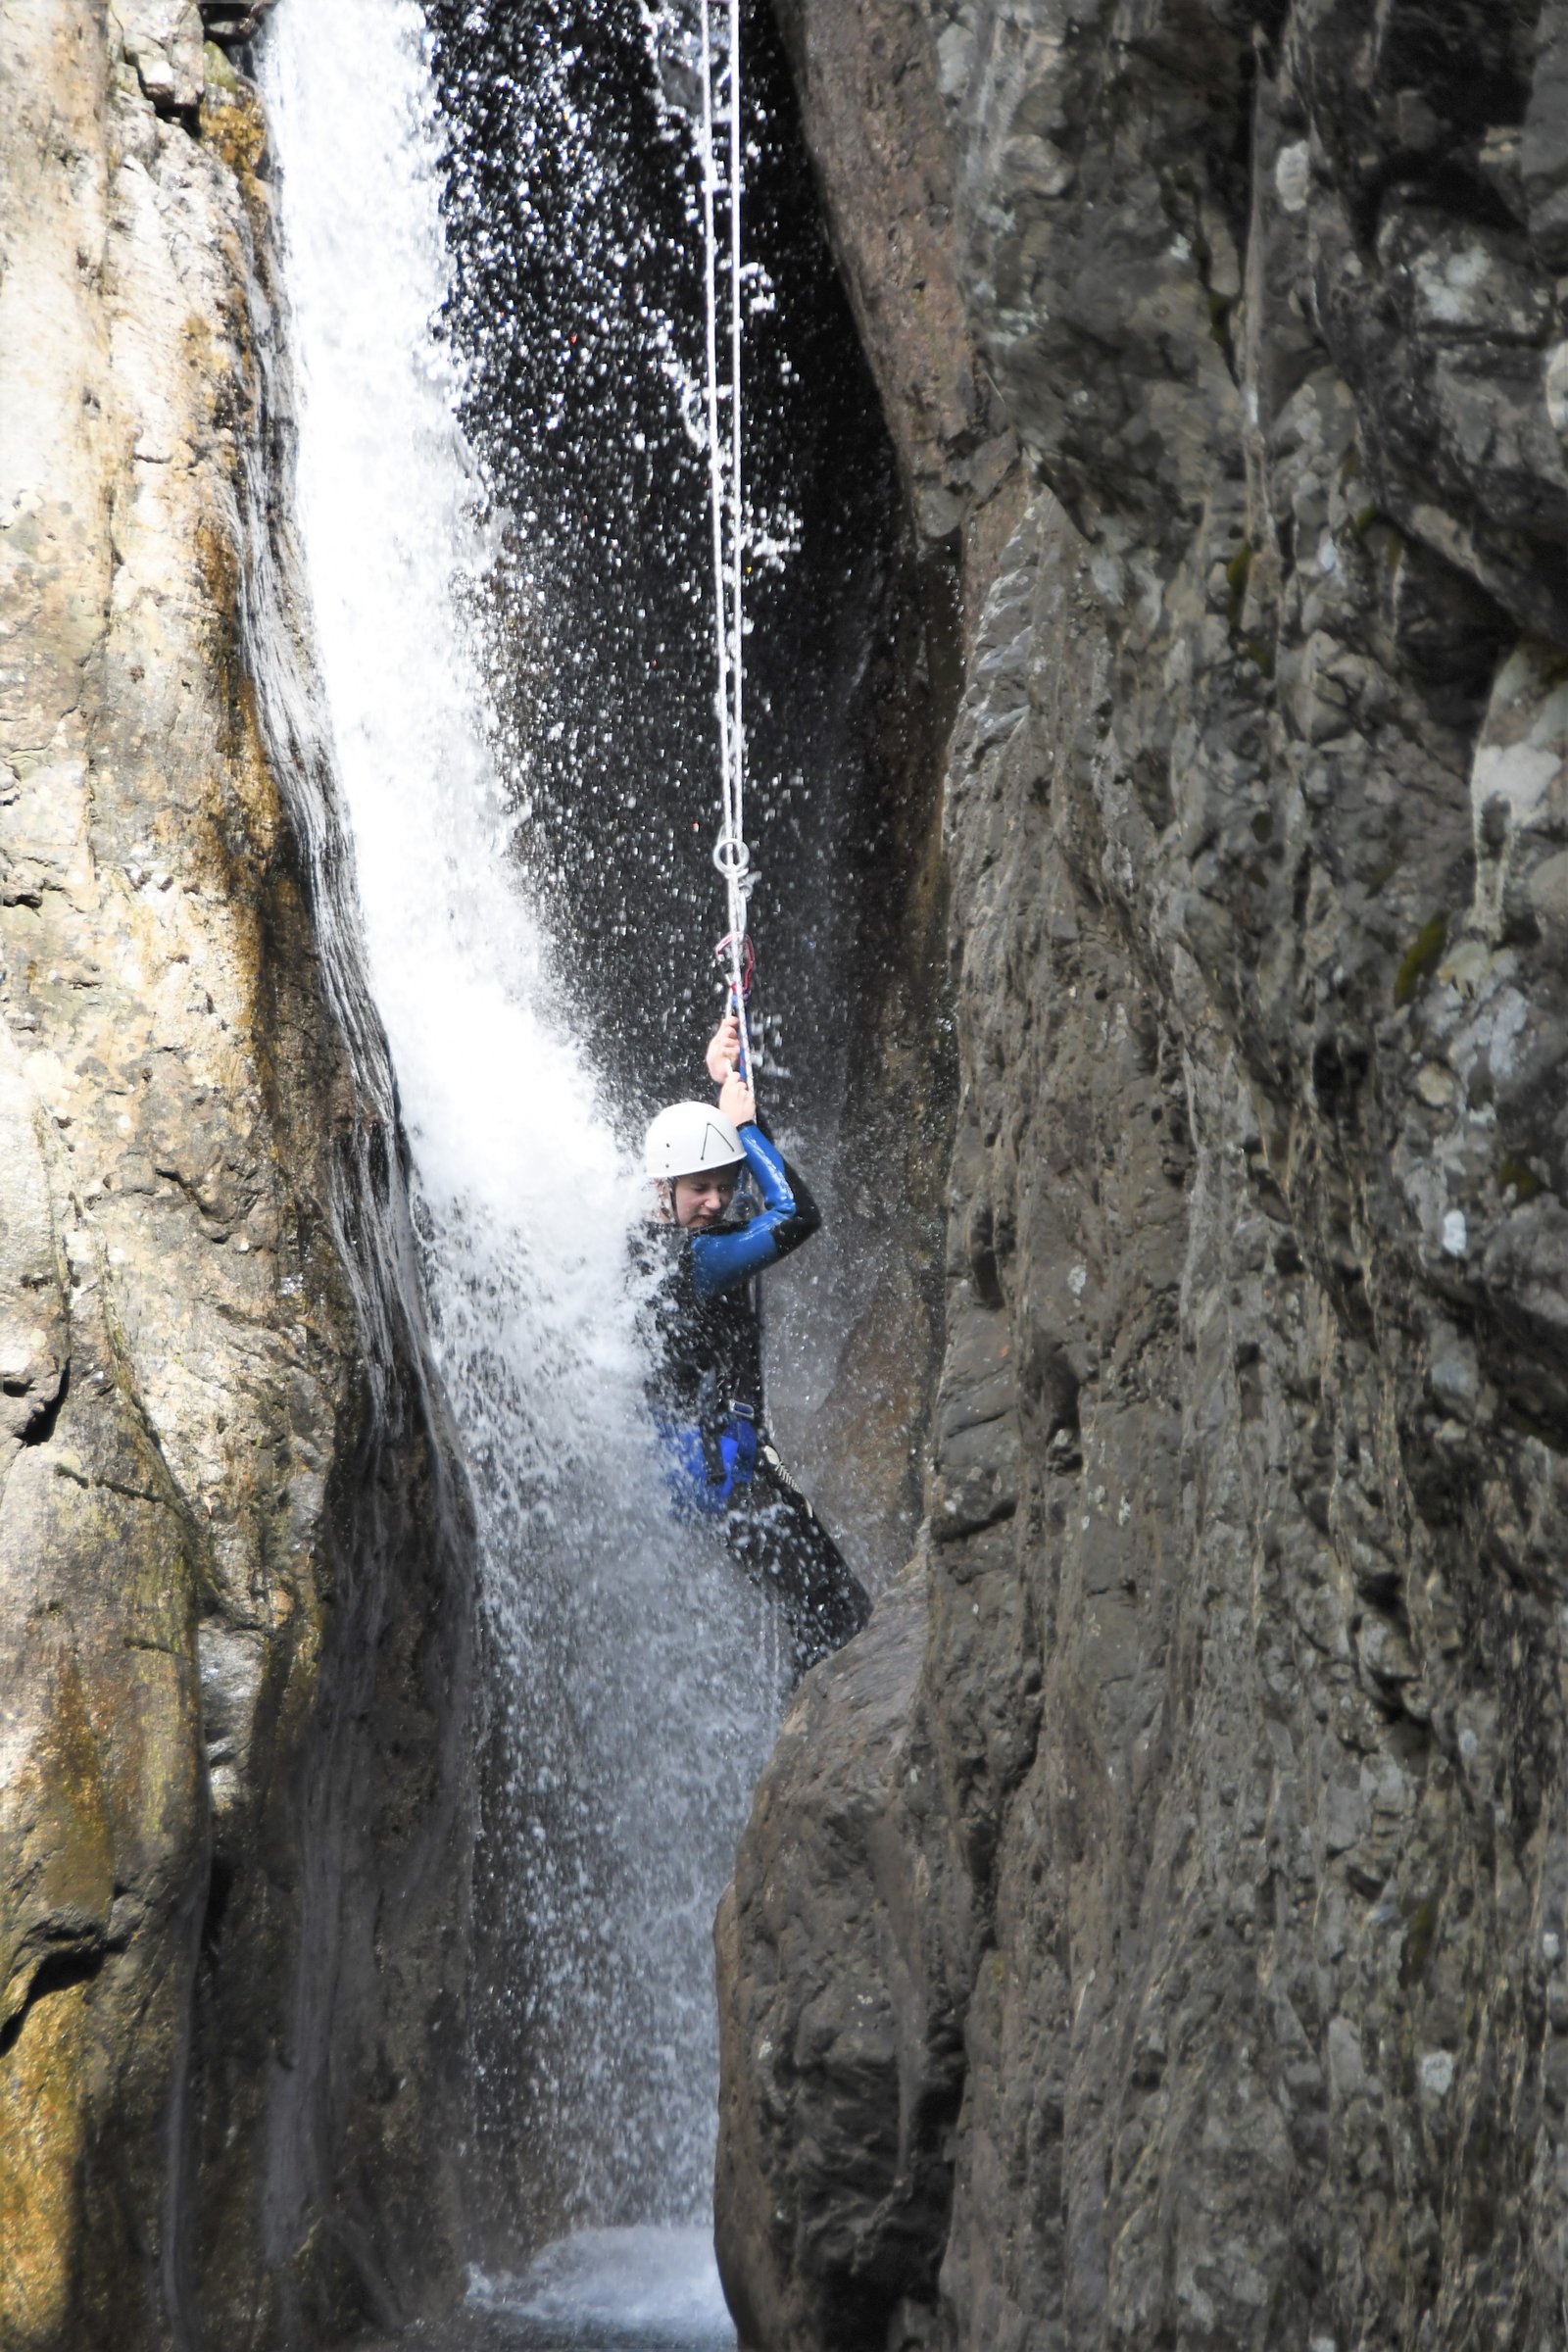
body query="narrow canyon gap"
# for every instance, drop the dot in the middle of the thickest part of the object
(1151, 1931)
(530, 791)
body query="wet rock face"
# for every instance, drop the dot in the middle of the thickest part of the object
(890, 203)
(234, 1623)
(1226, 1932)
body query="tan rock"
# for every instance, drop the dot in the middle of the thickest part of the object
(191, 1416)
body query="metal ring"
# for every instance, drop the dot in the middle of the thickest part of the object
(731, 857)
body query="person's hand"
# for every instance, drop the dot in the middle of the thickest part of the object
(737, 1102)
(724, 1049)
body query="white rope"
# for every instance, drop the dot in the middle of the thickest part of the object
(737, 665)
(731, 853)
(715, 484)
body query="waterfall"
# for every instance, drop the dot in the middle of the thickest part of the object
(630, 1699)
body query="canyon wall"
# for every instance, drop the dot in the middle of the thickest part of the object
(232, 1551)
(1150, 1933)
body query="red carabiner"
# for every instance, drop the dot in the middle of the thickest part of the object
(722, 955)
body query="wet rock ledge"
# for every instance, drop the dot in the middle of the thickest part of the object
(1151, 1933)
(233, 1581)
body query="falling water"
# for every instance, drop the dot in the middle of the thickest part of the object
(631, 1702)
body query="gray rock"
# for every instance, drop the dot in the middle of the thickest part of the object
(843, 2063)
(1243, 1668)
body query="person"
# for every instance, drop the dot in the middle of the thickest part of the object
(709, 1245)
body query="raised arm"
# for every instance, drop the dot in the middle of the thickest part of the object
(789, 1216)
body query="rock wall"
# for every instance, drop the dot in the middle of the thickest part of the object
(1152, 1932)
(233, 1558)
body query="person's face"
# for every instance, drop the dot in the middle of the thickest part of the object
(701, 1200)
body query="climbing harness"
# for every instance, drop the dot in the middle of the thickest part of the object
(732, 856)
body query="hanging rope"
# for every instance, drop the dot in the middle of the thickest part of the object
(736, 527)
(732, 856)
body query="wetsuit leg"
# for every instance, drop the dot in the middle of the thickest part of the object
(786, 1549)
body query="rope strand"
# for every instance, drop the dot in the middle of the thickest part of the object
(731, 853)
(715, 463)
(737, 664)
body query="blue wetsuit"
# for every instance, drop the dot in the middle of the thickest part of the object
(709, 1393)
(733, 1254)
(708, 1400)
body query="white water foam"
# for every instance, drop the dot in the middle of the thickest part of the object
(629, 1710)
(647, 2289)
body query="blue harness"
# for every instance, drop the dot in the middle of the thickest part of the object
(705, 1467)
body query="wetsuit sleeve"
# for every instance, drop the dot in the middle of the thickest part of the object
(789, 1216)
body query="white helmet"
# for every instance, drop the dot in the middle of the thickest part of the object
(690, 1137)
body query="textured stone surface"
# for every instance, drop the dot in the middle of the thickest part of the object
(873, 117)
(234, 1590)
(840, 2017)
(1228, 1928)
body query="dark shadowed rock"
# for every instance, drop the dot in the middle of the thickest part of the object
(1243, 1673)
(843, 2064)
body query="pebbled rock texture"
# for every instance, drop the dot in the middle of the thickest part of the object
(1151, 1933)
(233, 1587)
